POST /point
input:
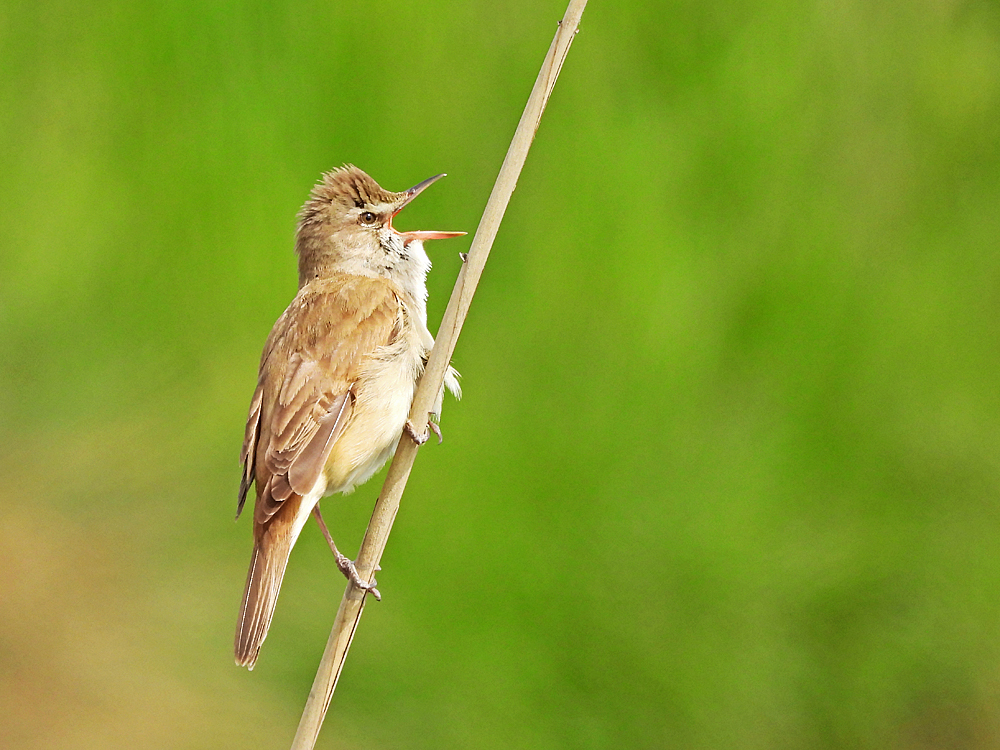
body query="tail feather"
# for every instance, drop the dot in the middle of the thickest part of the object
(267, 569)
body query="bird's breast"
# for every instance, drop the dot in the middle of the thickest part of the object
(383, 395)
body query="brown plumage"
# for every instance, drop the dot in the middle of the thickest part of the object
(337, 375)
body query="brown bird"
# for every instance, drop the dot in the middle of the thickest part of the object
(337, 376)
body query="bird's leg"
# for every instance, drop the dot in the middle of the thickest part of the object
(346, 565)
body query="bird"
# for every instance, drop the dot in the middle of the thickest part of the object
(337, 377)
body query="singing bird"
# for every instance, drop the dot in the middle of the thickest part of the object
(337, 376)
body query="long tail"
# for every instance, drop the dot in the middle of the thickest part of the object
(267, 568)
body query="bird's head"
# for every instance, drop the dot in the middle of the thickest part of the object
(346, 226)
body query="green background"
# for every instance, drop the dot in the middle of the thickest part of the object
(726, 470)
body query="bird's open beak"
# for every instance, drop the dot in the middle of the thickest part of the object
(412, 193)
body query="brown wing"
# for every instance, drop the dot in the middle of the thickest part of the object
(303, 399)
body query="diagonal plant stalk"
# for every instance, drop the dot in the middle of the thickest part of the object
(430, 385)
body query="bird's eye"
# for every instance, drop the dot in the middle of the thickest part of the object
(368, 218)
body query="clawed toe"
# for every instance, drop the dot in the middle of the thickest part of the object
(422, 437)
(417, 437)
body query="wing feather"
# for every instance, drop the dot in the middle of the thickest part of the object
(309, 464)
(248, 454)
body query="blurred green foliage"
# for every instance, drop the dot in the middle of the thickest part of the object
(726, 472)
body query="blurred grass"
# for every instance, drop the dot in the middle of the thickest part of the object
(727, 467)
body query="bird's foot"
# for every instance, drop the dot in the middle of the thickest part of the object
(351, 572)
(422, 437)
(417, 437)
